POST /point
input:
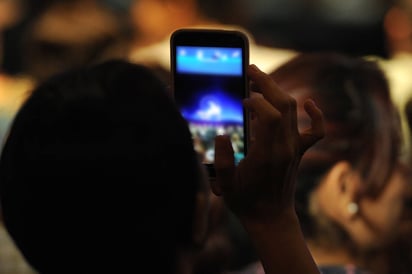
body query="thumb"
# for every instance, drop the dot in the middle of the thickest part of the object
(317, 130)
(224, 165)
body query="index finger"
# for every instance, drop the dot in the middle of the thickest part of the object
(266, 86)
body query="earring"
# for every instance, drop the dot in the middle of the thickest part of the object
(353, 208)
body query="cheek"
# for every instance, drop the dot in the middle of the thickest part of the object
(384, 215)
(390, 214)
(380, 224)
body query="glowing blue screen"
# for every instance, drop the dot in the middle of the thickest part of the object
(209, 60)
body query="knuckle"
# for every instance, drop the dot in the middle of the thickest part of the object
(289, 105)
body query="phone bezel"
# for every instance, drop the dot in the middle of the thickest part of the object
(213, 38)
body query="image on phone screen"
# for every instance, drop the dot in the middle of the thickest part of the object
(209, 84)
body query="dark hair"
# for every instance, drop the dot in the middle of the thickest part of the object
(99, 164)
(362, 124)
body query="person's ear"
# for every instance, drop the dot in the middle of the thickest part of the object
(337, 193)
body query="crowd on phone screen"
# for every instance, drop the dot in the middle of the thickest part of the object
(353, 194)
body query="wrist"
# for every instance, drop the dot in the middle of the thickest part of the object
(280, 243)
(275, 222)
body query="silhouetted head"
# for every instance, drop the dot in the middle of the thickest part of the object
(99, 174)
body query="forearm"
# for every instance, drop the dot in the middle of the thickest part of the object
(281, 246)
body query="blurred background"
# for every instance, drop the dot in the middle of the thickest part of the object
(353, 26)
(42, 37)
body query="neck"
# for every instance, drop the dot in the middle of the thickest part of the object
(330, 256)
(376, 263)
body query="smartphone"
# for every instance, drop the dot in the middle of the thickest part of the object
(209, 82)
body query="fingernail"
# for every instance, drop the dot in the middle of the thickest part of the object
(254, 68)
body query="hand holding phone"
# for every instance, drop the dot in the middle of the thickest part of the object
(209, 83)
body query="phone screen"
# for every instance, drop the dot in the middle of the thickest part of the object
(209, 85)
(209, 81)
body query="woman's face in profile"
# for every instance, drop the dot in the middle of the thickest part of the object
(380, 219)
